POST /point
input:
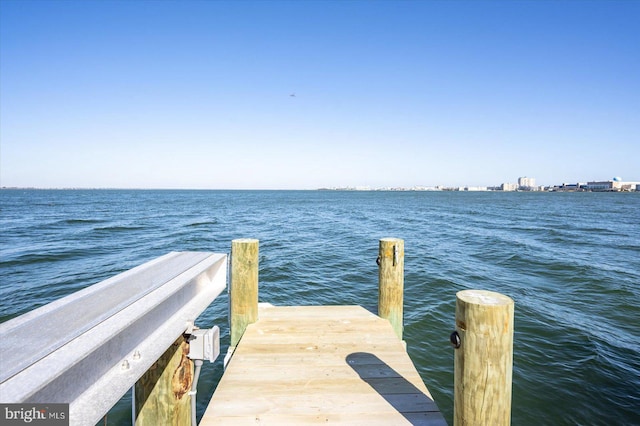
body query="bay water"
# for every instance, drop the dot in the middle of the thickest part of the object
(570, 261)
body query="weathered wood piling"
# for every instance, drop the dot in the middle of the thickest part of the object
(483, 361)
(162, 393)
(243, 304)
(391, 282)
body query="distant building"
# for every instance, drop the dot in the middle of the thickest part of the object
(600, 186)
(616, 184)
(526, 183)
(629, 186)
(508, 186)
(571, 187)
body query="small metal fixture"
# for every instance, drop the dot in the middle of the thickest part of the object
(455, 340)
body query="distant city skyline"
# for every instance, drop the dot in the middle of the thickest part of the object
(523, 183)
(304, 95)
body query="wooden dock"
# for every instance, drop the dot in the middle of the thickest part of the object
(319, 364)
(289, 365)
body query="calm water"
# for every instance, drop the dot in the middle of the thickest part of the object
(570, 261)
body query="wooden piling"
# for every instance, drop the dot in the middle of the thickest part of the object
(162, 393)
(483, 361)
(391, 282)
(243, 303)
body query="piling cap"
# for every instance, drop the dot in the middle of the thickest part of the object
(484, 297)
(245, 240)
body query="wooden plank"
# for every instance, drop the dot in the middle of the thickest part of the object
(340, 402)
(368, 419)
(315, 371)
(305, 365)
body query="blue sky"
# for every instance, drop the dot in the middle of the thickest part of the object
(197, 94)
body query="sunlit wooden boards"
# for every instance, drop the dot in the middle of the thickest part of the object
(321, 364)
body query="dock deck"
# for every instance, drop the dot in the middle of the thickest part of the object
(319, 364)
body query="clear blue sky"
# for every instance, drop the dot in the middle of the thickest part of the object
(197, 94)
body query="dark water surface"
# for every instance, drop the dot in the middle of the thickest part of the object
(571, 262)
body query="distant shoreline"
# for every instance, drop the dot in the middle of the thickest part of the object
(341, 189)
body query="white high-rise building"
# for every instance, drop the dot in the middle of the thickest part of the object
(526, 182)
